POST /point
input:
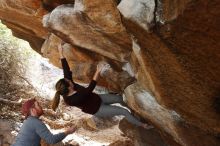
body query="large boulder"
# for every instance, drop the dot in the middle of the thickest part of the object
(24, 18)
(100, 31)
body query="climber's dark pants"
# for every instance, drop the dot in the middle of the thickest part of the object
(108, 110)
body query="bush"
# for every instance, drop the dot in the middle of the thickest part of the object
(12, 61)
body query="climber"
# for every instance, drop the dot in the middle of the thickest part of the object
(89, 102)
(33, 129)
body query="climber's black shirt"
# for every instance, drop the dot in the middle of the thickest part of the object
(84, 98)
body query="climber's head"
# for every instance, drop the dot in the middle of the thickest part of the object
(63, 86)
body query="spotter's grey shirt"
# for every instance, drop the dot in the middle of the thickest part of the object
(33, 130)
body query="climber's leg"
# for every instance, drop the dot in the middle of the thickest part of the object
(111, 98)
(111, 110)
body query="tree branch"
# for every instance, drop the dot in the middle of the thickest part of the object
(6, 101)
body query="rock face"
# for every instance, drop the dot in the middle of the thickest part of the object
(139, 11)
(6, 137)
(164, 55)
(24, 18)
(140, 136)
(100, 38)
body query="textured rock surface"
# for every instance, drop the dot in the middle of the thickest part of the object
(179, 72)
(192, 38)
(171, 122)
(139, 11)
(175, 63)
(125, 142)
(80, 29)
(24, 18)
(6, 138)
(168, 10)
(140, 136)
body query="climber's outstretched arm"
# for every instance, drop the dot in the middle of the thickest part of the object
(98, 70)
(95, 78)
(66, 69)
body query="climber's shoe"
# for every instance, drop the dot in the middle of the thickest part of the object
(147, 127)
